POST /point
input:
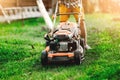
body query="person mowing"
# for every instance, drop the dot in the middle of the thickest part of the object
(74, 6)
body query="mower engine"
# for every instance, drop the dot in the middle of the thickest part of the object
(63, 42)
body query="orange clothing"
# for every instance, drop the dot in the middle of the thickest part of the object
(63, 10)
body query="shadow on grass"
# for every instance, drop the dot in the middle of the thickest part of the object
(90, 57)
(38, 66)
(115, 76)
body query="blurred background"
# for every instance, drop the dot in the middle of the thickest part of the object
(105, 6)
(22, 9)
(109, 6)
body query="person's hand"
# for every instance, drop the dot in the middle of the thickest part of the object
(53, 16)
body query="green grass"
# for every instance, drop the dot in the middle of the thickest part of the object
(22, 42)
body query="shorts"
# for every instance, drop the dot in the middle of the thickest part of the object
(63, 10)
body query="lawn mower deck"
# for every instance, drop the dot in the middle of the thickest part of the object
(64, 45)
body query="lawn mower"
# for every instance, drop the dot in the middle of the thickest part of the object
(65, 43)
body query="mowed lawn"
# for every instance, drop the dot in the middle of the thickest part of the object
(21, 43)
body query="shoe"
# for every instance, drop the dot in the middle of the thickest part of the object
(87, 47)
(82, 58)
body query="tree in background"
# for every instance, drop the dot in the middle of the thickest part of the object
(91, 6)
(88, 7)
(105, 6)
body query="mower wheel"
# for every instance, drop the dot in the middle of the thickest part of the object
(44, 58)
(82, 43)
(78, 57)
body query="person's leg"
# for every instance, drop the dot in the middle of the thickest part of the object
(83, 30)
(62, 10)
(82, 24)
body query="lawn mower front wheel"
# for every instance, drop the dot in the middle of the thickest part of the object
(44, 58)
(78, 57)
